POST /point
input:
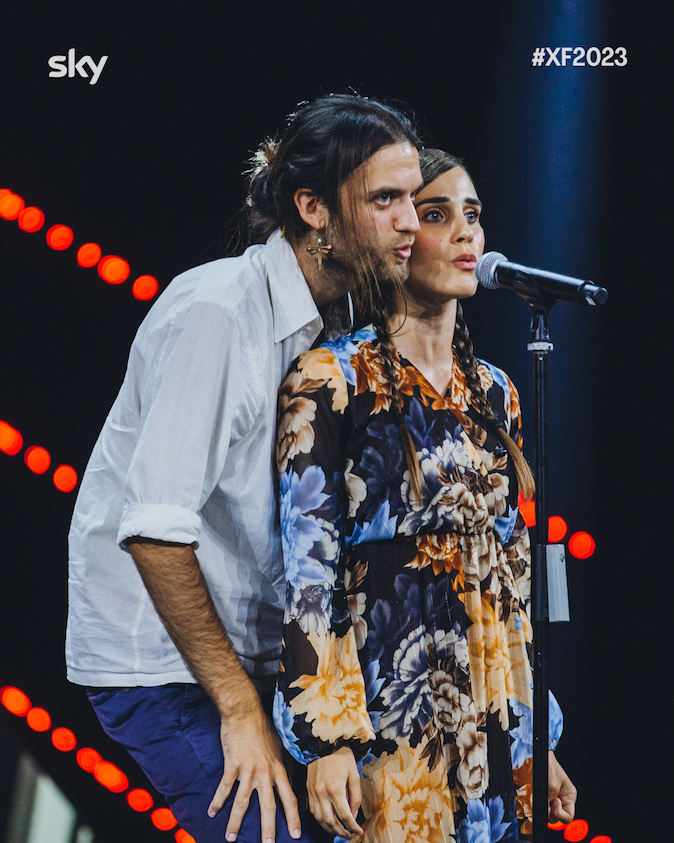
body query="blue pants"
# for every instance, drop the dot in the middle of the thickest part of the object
(173, 732)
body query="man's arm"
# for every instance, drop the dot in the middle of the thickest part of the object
(251, 747)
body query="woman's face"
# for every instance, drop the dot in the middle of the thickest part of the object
(449, 241)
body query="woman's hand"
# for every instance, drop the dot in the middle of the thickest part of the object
(333, 785)
(561, 792)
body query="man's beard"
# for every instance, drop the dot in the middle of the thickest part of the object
(368, 263)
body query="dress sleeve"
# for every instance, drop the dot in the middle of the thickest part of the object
(320, 702)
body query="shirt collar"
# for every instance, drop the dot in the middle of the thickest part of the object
(292, 303)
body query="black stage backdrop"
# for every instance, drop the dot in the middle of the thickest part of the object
(570, 163)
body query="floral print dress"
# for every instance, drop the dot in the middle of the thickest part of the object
(405, 633)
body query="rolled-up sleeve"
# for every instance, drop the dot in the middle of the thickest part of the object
(194, 389)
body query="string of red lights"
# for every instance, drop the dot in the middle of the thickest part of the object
(37, 458)
(111, 268)
(90, 760)
(139, 799)
(115, 270)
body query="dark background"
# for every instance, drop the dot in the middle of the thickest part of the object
(571, 165)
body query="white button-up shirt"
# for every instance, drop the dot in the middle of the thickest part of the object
(185, 455)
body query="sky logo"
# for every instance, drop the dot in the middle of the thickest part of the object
(61, 69)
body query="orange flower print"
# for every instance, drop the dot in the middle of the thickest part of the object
(333, 698)
(441, 550)
(499, 665)
(404, 801)
(295, 434)
(523, 777)
(319, 367)
(371, 377)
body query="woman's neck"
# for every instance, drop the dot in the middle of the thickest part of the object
(424, 336)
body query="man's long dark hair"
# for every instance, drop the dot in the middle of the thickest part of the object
(323, 143)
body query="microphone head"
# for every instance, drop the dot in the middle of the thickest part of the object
(485, 269)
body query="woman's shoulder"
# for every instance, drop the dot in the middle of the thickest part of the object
(338, 352)
(496, 383)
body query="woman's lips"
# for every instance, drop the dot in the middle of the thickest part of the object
(465, 262)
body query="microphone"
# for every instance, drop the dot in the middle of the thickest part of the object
(536, 285)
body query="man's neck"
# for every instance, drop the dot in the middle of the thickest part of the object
(326, 283)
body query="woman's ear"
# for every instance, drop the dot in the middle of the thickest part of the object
(311, 209)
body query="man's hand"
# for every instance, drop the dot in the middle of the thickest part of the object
(333, 785)
(561, 792)
(252, 750)
(253, 757)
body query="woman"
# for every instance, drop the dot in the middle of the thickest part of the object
(405, 681)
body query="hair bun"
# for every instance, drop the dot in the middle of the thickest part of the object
(264, 157)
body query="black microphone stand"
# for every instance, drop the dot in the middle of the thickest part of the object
(540, 289)
(540, 345)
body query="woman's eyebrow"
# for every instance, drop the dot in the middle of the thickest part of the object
(437, 200)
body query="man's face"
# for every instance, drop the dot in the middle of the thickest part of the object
(378, 198)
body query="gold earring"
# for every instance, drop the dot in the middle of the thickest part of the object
(320, 251)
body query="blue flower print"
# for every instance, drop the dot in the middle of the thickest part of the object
(380, 463)
(382, 526)
(300, 532)
(505, 524)
(522, 746)
(284, 720)
(373, 685)
(345, 347)
(408, 698)
(484, 823)
(420, 431)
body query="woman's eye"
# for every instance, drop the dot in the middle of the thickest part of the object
(432, 216)
(472, 216)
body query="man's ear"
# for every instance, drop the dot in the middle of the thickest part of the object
(311, 208)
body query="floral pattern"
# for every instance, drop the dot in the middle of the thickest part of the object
(406, 636)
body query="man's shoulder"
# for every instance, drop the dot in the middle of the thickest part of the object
(225, 281)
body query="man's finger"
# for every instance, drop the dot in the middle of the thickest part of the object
(290, 809)
(220, 795)
(239, 808)
(265, 794)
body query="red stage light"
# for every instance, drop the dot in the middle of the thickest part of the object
(183, 837)
(11, 441)
(31, 219)
(581, 545)
(163, 819)
(139, 799)
(15, 701)
(576, 831)
(603, 838)
(60, 237)
(63, 739)
(111, 777)
(556, 528)
(558, 826)
(145, 287)
(89, 255)
(114, 270)
(37, 459)
(88, 758)
(65, 478)
(39, 720)
(528, 510)
(11, 206)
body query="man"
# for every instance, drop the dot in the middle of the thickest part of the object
(176, 571)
